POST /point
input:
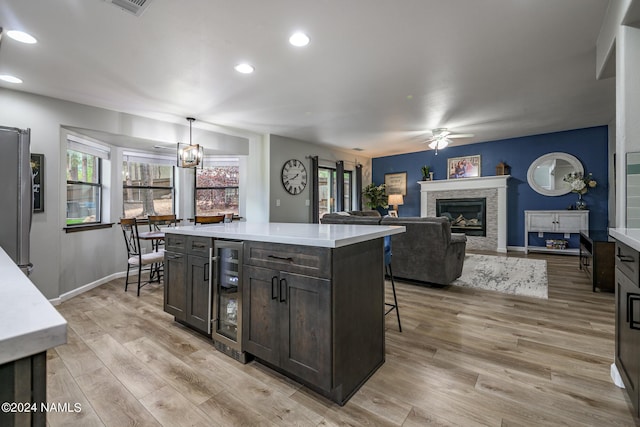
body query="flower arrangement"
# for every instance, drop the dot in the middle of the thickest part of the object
(376, 196)
(580, 183)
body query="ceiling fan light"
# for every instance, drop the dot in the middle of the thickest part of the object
(439, 143)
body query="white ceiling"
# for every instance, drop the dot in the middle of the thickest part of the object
(376, 73)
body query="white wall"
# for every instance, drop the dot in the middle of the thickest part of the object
(293, 208)
(613, 184)
(618, 53)
(627, 113)
(64, 262)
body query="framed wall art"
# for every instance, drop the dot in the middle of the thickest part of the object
(396, 183)
(463, 167)
(37, 172)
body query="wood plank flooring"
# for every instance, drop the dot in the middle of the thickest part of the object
(465, 357)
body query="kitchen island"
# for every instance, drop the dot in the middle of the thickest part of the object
(30, 326)
(311, 296)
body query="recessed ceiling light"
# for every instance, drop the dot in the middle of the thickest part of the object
(10, 79)
(299, 39)
(22, 37)
(244, 68)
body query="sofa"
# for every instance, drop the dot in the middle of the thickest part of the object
(427, 252)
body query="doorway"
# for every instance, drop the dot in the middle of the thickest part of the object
(327, 189)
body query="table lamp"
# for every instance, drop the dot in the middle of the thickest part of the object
(395, 200)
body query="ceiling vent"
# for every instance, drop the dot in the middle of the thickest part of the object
(135, 7)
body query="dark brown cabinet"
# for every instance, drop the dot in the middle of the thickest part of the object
(198, 307)
(175, 284)
(288, 322)
(597, 254)
(312, 314)
(628, 321)
(187, 287)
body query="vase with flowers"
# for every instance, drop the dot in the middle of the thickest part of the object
(580, 184)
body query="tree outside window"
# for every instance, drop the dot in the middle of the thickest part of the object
(84, 188)
(147, 189)
(217, 189)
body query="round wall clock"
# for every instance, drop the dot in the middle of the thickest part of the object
(294, 176)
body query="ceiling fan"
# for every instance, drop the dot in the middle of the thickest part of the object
(441, 137)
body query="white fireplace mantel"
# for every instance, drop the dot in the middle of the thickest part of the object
(485, 182)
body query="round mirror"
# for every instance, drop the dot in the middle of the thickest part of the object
(546, 174)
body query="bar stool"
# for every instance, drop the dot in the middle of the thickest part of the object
(389, 272)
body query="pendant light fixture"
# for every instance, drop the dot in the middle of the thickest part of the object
(190, 156)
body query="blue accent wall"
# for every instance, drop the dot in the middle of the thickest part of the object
(589, 145)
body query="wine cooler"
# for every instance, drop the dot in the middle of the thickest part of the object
(227, 299)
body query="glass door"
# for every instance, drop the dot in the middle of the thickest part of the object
(228, 292)
(327, 188)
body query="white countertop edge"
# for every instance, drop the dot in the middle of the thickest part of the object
(344, 235)
(21, 346)
(628, 236)
(29, 324)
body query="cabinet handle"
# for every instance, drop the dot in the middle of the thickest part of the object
(631, 298)
(625, 258)
(280, 258)
(206, 272)
(174, 256)
(283, 294)
(274, 287)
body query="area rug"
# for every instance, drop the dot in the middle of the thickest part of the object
(516, 276)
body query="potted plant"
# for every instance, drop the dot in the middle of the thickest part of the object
(425, 172)
(375, 196)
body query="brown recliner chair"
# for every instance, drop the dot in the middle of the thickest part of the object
(427, 251)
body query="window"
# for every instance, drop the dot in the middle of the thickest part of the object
(84, 188)
(85, 161)
(147, 187)
(327, 186)
(217, 187)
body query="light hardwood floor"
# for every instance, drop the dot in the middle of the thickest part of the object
(465, 357)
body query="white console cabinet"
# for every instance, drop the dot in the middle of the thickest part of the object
(565, 222)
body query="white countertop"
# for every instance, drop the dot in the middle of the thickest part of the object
(321, 235)
(29, 324)
(628, 236)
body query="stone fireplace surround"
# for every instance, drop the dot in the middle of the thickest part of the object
(493, 188)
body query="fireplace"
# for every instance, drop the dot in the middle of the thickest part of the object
(467, 216)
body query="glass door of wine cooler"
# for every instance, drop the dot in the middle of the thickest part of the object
(228, 294)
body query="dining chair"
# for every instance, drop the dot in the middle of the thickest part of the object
(135, 258)
(158, 221)
(389, 272)
(208, 219)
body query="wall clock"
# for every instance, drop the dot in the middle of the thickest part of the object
(294, 176)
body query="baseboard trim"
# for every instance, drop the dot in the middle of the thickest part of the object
(515, 248)
(82, 289)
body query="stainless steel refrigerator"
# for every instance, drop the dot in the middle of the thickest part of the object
(16, 190)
